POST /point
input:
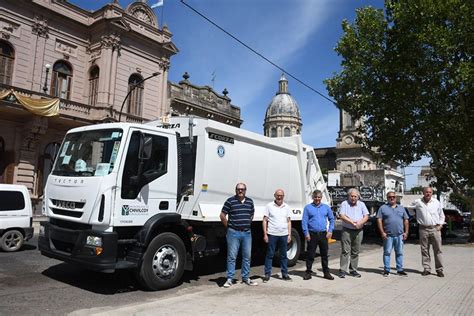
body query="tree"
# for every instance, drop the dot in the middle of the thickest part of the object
(407, 74)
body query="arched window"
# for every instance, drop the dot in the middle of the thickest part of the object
(93, 85)
(286, 132)
(61, 80)
(135, 83)
(273, 132)
(7, 56)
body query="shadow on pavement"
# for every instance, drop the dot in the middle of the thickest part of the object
(121, 281)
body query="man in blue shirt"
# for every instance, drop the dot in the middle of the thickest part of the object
(237, 214)
(353, 214)
(392, 220)
(316, 232)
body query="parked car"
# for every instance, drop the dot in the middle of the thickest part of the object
(16, 216)
(455, 217)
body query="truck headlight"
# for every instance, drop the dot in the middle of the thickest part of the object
(94, 241)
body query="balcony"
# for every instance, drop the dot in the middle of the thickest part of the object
(71, 113)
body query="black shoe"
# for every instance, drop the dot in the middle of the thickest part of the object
(286, 277)
(342, 274)
(386, 273)
(307, 275)
(402, 273)
(355, 274)
(425, 272)
(328, 276)
(266, 278)
(440, 274)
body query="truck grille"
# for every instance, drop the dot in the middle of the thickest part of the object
(58, 211)
(67, 208)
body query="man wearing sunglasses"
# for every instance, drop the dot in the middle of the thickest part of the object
(237, 214)
(392, 221)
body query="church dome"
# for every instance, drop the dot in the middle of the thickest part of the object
(283, 103)
(283, 117)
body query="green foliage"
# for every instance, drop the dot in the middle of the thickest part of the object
(407, 72)
(416, 190)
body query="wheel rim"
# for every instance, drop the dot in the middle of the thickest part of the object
(292, 249)
(12, 240)
(165, 261)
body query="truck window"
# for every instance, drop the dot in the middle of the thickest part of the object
(11, 201)
(153, 168)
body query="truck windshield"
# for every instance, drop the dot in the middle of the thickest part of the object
(90, 153)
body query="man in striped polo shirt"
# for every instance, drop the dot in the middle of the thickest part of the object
(237, 214)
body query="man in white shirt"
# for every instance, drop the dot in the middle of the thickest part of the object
(430, 218)
(277, 233)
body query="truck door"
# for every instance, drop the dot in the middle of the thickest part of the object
(148, 180)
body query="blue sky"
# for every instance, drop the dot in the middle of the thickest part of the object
(298, 35)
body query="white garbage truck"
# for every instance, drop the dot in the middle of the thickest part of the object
(148, 196)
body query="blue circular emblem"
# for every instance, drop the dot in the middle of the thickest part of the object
(220, 151)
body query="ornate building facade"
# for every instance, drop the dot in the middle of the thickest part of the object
(186, 98)
(62, 66)
(282, 117)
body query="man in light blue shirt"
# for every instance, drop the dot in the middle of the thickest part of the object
(353, 214)
(316, 231)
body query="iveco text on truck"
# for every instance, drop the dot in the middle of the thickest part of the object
(148, 196)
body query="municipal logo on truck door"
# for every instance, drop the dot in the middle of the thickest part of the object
(125, 210)
(134, 210)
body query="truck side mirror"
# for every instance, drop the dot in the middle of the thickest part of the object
(146, 146)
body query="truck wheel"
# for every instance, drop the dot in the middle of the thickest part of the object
(163, 263)
(294, 248)
(12, 240)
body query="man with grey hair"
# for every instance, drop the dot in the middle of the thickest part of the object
(353, 214)
(276, 226)
(430, 218)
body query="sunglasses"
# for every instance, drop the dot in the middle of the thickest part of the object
(391, 197)
(240, 189)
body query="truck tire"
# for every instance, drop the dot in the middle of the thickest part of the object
(12, 240)
(163, 263)
(294, 248)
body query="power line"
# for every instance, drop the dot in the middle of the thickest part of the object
(257, 53)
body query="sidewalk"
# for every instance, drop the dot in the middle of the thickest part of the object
(372, 294)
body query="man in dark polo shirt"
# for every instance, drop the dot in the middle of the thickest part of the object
(237, 214)
(392, 220)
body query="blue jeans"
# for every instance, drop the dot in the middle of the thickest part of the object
(235, 240)
(389, 244)
(281, 242)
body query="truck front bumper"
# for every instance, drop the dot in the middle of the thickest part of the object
(69, 245)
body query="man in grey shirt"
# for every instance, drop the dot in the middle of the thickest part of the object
(392, 220)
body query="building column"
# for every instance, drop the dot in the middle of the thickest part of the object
(105, 70)
(164, 68)
(113, 70)
(26, 170)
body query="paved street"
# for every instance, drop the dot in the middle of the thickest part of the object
(31, 284)
(372, 294)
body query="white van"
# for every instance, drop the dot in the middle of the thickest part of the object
(16, 216)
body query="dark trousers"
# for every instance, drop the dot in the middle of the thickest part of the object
(317, 239)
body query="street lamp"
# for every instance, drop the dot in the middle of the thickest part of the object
(45, 87)
(133, 87)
